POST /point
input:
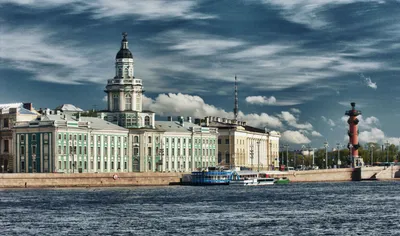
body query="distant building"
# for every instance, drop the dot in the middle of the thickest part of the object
(243, 145)
(156, 146)
(68, 109)
(9, 114)
(58, 142)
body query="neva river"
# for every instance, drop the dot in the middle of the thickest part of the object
(347, 208)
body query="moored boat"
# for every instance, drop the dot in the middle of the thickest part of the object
(282, 180)
(250, 178)
(210, 176)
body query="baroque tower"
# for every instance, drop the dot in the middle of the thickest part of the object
(125, 93)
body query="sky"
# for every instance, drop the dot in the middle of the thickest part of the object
(299, 63)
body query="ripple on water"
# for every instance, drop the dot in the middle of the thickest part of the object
(346, 208)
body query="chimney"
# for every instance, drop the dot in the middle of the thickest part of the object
(79, 116)
(189, 119)
(169, 118)
(27, 106)
(218, 119)
(223, 120)
(244, 123)
(197, 121)
(181, 120)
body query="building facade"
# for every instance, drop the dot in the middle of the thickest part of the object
(9, 114)
(243, 145)
(125, 94)
(154, 146)
(63, 143)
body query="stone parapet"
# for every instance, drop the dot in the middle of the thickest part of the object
(87, 180)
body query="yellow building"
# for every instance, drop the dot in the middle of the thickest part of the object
(240, 145)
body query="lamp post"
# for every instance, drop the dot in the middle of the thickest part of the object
(351, 154)
(258, 155)
(387, 144)
(309, 153)
(326, 145)
(303, 148)
(338, 154)
(251, 155)
(287, 153)
(371, 149)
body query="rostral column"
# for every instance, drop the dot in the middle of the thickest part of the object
(353, 133)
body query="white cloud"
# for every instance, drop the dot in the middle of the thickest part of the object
(104, 98)
(373, 135)
(145, 10)
(295, 137)
(295, 110)
(316, 134)
(330, 122)
(41, 53)
(261, 100)
(195, 44)
(292, 121)
(187, 105)
(308, 12)
(364, 124)
(368, 82)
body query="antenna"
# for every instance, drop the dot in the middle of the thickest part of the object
(236, 108)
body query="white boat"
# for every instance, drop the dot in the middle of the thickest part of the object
(250, 178)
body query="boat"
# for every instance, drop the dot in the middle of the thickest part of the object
(210, 176)
(282, 180)
(250, 178)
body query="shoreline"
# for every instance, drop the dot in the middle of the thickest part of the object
(154, 179)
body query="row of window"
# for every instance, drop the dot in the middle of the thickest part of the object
(33, 136)
(65, 165)
(83, 150)
(45, 150)
(83, 136)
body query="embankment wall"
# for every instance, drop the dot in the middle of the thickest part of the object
(87, 180)
(320, 175)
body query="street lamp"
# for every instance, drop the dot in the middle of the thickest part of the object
(251, 155)
(338, 153)
(387, 144)
(351, 154)
(309, 153)
(287, 153)
(258, 146)
(371, 149)
(326, 145)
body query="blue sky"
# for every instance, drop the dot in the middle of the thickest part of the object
(299, 62)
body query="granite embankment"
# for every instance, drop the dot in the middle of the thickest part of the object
(87, 180)
(159, 179)
(344, 174)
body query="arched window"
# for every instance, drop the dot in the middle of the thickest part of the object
(115, 102)
(128, 102)
(149, 151)
(227, 158)
(136, 165)
(219, 157)
(149, 166)
(136, 139)
(149, 139)
(126, 72)
(147, 121)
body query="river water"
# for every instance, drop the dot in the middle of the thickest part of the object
(345, 208)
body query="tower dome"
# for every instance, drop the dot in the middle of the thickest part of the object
(124, 51)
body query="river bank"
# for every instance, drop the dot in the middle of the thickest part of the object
(54, 180)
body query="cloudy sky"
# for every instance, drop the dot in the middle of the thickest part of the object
(299, 62)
